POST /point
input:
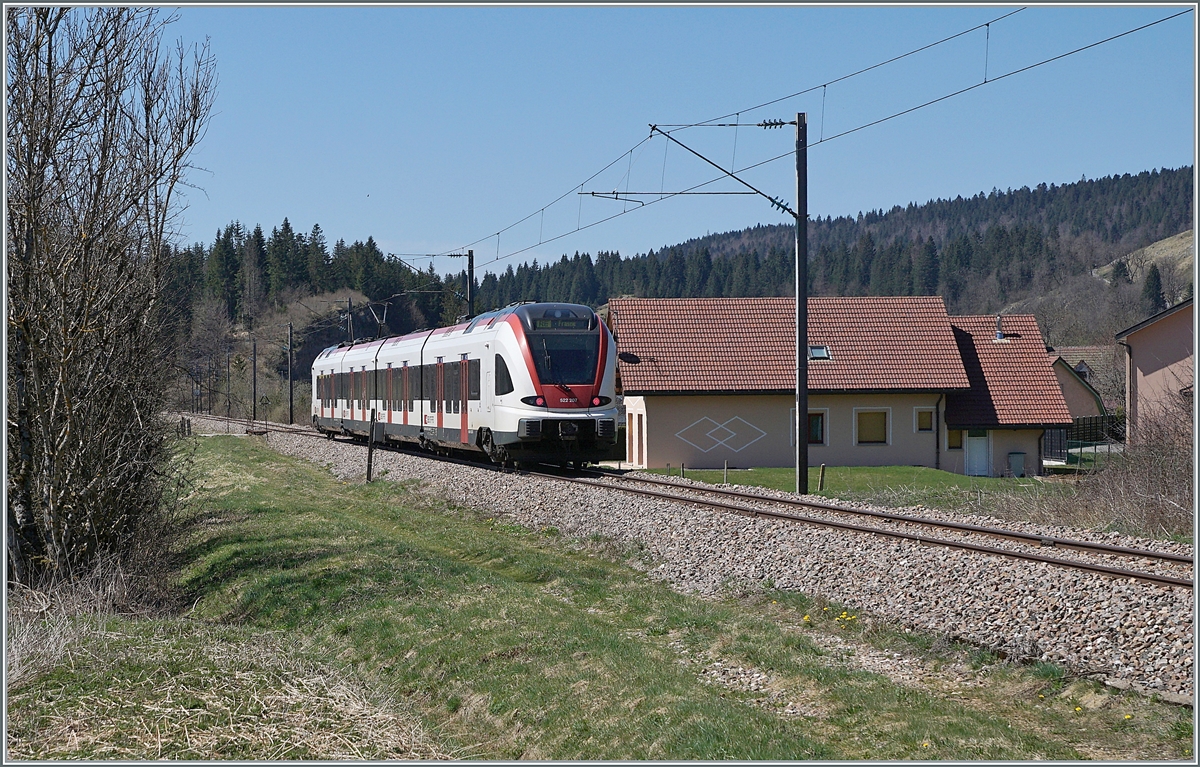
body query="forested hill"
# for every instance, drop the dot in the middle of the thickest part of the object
(981, 254)
(1119, 213)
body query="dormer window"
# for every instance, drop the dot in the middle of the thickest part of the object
(818, 353)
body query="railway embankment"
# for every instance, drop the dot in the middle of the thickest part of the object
(1132, 635)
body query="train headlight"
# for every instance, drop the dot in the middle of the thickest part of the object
(536, 401)
(598, 401)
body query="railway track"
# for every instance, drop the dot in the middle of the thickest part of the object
(1167, 569)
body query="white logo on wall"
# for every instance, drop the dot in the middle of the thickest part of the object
(735, 434)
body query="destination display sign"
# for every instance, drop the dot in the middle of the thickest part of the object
(560, 323)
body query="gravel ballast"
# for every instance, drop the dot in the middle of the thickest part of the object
(1136, 635)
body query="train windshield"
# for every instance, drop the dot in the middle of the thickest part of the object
(565, 358)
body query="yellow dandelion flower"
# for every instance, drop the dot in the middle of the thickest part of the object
(1077, 708)
(925, 745)
(826, 609)
(1041, 696)
(1128, 716)
(805, 617)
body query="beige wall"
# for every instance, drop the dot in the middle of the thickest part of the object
(1080, 399)
(1005, 441)
(1162, 363)
(1000, 442)
(705, 431)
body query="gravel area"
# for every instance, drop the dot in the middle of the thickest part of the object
(1136, 635)
(1137, 564)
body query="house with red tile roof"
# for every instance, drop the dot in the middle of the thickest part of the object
(995, 427)
(710, 381)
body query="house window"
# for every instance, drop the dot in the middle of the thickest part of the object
(954, 439)
(816, 428)
(872, 427)
(924, 420)
(818, 352)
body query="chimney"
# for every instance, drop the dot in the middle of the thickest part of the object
(999, 331)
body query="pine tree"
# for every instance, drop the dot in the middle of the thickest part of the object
(584, 286)
(1153, 301)
(925, 276)
(1120, 273)
(253, 275)
(861, 262)
(280, 260)
(317, 256)
(220, 279)
(696, 271)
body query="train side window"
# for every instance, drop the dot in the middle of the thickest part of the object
(504, 382)
(473, 379)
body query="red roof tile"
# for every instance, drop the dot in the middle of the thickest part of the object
(1012, 382)
(748, 344)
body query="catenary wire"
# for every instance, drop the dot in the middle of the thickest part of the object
(928, 103)
(669, 195)
(765, 104)
(852, 74)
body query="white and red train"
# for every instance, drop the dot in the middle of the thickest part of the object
(533, 382)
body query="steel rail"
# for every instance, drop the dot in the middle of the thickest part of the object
(1163, 580)
(1015, 535)
(1160, 580)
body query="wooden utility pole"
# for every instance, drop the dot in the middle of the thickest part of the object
(254, 377)
(801, 303)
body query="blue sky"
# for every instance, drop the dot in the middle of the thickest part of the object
(431, 128)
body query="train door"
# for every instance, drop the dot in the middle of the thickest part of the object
(487, 389)
(464, 390)
(404, 407)
(439, 395)
(388, 403)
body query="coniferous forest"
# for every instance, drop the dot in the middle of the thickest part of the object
(1003, 249)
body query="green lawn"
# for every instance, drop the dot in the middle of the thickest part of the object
(334, 619)
(893, 485)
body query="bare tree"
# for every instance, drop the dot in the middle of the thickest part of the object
(101, 123)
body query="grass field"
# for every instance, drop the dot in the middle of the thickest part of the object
(340, 620)
(893, 485)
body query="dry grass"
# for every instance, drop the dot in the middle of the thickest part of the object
(203, 695)
(46, 623)
(1145, 490)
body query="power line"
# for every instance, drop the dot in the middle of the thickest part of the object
(731, 114)
(691, 189)
(852, 74)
